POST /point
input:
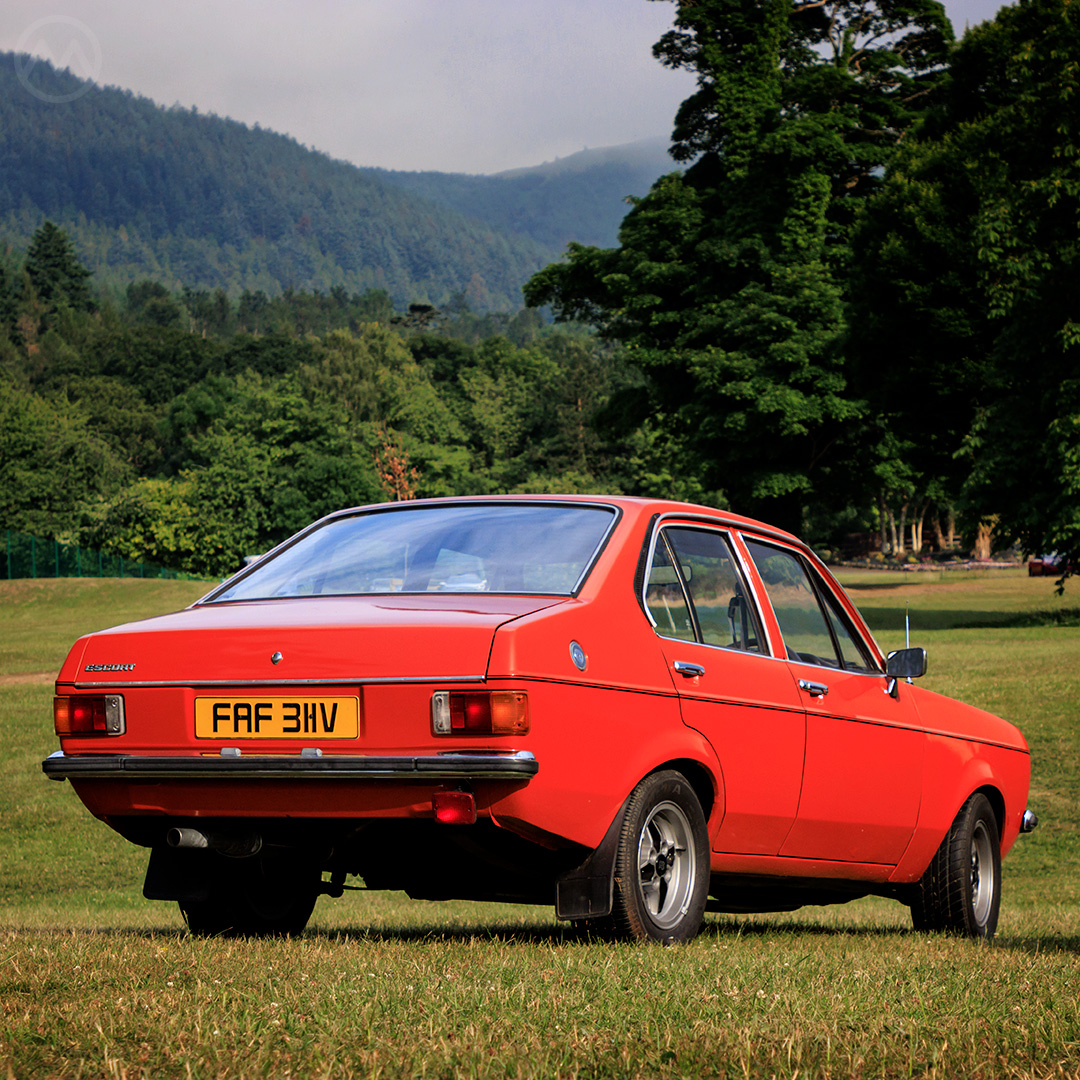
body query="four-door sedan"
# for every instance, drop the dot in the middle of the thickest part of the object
(635, 710)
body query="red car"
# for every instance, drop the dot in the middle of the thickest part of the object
(1045, 565)
(634, 710)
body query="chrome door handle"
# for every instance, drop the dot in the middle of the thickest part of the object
(814, 689)
(688, 671)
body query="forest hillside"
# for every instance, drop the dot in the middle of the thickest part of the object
(184, 198)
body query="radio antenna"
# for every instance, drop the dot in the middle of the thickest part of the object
(907, 629)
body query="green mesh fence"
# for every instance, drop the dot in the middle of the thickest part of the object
(33, 557)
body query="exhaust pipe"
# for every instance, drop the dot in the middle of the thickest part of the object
(235, 847)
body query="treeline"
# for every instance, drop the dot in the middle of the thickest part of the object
(190, 430)
(854, 310)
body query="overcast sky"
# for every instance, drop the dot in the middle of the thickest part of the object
(454, 85)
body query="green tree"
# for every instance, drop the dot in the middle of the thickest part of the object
(374, 375)
(505, 389)
(7, 302)
(728, 280)
(55, 271)
(52, 468)
(261, 458)
(251, 311)
(965, 324)
(150, 302)
(160, 362)
(347, 366)
(116, 413)
(1015, 110)
(156, 520)
(919, 342)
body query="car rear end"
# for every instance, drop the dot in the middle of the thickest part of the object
(291, 725)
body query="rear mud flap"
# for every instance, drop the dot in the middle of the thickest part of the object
(587, 891)
(178, 874)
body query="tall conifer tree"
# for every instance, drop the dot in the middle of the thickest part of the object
(55, 271)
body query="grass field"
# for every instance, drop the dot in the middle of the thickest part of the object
(97, 982)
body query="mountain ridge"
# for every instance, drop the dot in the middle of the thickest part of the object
(184, 198)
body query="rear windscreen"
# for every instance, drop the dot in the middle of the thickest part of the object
(493, 548)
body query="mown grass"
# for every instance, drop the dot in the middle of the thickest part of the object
(739, 1002)
(95, 981)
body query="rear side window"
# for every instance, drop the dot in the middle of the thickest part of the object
(665, 596)
(713, 604)
(812, 622)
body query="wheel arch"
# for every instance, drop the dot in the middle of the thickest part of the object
(956, 769)
(997, 803)
(705, 784)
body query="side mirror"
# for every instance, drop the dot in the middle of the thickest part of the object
(906, 664)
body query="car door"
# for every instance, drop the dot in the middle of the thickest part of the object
(862, 782)
(730, 688)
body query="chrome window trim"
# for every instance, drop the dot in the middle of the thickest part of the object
(726, 531)
(643, 599)
(747, 579)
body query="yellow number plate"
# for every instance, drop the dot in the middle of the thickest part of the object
(277, 718)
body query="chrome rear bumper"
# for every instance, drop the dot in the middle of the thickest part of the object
(519, 765)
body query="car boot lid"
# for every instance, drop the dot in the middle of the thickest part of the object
(384, 638)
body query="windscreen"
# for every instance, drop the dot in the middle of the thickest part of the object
(494, 548)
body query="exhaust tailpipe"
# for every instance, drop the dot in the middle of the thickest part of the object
(235, 847)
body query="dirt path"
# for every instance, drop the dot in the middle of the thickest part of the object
(28, 677)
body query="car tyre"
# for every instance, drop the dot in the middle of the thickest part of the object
(662, 862)
(960, 893)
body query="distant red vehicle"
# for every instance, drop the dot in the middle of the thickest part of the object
(634, 710)
(1045, 565)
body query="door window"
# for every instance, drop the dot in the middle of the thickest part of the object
(814, 627)
(716, 602)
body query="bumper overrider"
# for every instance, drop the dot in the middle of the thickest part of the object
(232, 765)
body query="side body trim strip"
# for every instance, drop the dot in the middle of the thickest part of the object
(343, 680)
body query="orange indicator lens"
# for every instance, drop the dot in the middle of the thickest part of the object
(509, 712)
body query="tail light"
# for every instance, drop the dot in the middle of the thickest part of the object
(495, 712)
(92, 714)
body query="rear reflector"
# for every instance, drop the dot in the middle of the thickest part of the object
(498, 712)
(454, 808)
(91, 714)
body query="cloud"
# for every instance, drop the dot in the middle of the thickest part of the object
(468, 86)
